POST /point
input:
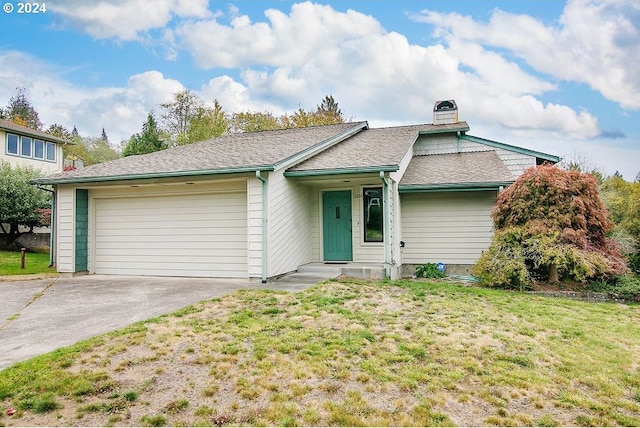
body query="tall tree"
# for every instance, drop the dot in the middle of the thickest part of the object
(207, 123)
(148, 141)
(21, 111)
(20, 202)
(104, 137)
(328, 112)
(176, 115)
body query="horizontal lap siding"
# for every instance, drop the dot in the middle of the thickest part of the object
(177, 235)
(452, 228)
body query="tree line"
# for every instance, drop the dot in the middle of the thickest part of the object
(185, 119)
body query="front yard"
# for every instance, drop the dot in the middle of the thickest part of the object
(35, 263)
(347, 353)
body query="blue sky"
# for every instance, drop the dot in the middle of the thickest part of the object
(559, 77)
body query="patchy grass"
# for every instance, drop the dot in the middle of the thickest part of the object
(35, 263)
(347, 353)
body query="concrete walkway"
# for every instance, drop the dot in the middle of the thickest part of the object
(40, 315)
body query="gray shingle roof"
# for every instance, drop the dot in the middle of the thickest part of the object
(456, 168)
(7, 125)
(257, 150)
(375, 147)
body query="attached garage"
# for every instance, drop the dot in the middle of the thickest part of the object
(199, 233)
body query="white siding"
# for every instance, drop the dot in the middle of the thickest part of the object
(65, 233)
(170, 229)
(289, 220)
(453, 228)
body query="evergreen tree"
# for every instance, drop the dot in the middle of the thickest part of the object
(20, 110)
(148, 141)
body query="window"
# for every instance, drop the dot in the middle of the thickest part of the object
(28, 147)
(25, 147)
(373, 214)
(12, 144)
(38, 149)
(51, 152)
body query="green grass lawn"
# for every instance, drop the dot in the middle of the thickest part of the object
(34, 263)
(347, 353)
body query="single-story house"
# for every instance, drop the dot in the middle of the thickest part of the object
(262, 204)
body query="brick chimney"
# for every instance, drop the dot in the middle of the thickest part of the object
(445, 112)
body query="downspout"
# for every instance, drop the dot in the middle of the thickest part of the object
(53, 224)
(264, 226)
(458, 141)
(387, 226)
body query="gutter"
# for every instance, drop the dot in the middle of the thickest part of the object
(264, 226)
(462, 187)
(53, 224)
(338, 171)
(70, 180)
(386, 237)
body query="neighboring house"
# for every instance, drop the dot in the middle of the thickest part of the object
(259, 205)
(28, 147)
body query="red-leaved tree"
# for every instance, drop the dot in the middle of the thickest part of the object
(550, 224)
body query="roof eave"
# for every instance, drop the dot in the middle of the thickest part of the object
(538, 155)
(340, 171)
(149, 176)
(453, 187)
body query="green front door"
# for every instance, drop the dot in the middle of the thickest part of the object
(336, 225)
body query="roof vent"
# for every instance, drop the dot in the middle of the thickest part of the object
(445, 112)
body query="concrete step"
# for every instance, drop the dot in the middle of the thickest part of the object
(354, 270)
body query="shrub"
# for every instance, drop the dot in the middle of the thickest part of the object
(429, 270)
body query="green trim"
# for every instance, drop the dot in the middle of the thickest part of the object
(461, 187)
(463, 128)
(82, 230)
(125, 177)
(496, 144)
(339, 171)
(323, 145)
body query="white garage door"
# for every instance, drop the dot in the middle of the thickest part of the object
(201, 235)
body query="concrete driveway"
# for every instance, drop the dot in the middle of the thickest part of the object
(39, 316)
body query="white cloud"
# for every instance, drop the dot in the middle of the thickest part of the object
(285, 40)
(125, 19)
(595, 42)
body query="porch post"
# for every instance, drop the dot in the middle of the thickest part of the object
(386, 235)
(264, 226)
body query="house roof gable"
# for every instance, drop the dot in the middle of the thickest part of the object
(376, 149)
(245, 152)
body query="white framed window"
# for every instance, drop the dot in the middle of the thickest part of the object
(373, 214)
(25, 146)
(38, 149)
(12, 144)
(51, 152)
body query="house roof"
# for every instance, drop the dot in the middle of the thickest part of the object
(7, 125)
(245, 152)
(371, 149)
(455, 170)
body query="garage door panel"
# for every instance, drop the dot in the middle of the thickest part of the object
(177, 235)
